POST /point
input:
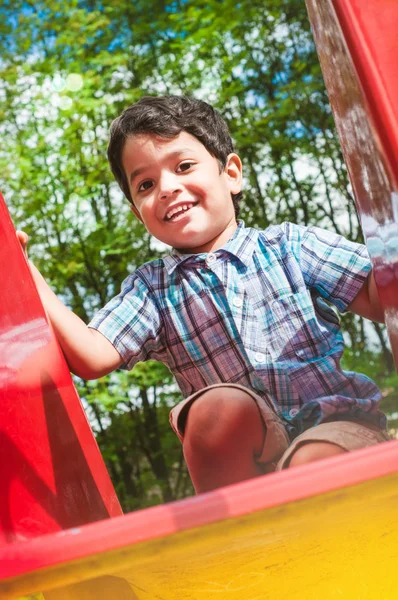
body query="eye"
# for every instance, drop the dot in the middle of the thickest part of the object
(185, 166)
(145, 185)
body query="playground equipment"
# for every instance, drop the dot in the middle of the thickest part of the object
(358, 52)
(326, 530)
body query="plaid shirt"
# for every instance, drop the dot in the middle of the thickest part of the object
(257, 312)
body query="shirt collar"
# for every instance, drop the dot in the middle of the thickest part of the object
(240, 245)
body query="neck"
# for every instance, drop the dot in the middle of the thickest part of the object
(215, 243)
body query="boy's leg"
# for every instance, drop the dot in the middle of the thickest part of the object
(312, 451)
(223, 434)
(226, 437)
(330, 439)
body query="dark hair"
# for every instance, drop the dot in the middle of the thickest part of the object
(167, 116)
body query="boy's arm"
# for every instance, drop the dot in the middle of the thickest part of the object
(367, 302)
(88, 353)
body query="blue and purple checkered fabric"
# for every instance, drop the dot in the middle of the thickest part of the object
(257, 312)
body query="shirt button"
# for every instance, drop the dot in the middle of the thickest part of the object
(293, 412)
(211, 258)
(238, 302)
(260, 357)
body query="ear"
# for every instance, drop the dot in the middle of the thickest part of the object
(136, 212)
(233, 172)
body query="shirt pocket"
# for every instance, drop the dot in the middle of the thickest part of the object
(292, 330)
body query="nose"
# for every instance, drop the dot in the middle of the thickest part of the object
(169, 184)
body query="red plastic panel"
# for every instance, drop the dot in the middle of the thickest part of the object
(357, 45)
(370, 30)
(51, 471)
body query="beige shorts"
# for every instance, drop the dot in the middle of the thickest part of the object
(349, 435)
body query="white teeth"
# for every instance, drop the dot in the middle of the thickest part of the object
(177, 209)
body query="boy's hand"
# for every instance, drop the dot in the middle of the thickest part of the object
(367, 302)
(23, 239)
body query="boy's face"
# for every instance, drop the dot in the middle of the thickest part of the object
(179, 193)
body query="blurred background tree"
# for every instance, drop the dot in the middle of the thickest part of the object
(67, 68)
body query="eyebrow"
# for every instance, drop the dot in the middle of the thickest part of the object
(140, 170)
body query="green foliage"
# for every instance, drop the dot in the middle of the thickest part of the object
(256, 62)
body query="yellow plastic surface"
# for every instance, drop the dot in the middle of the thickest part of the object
(339, 545)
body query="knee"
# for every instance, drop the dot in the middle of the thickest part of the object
(218, 417)
(311, 452)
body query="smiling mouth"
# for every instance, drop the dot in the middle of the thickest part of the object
(174, 213)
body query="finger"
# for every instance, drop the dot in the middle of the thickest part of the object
(23, 238)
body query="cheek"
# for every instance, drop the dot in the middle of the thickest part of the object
(205, 186)
(148, 212)
(145, 214)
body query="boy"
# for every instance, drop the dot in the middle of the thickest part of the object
(240, 316)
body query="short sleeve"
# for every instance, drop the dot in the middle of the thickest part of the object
(330, 264)
(131, 322)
